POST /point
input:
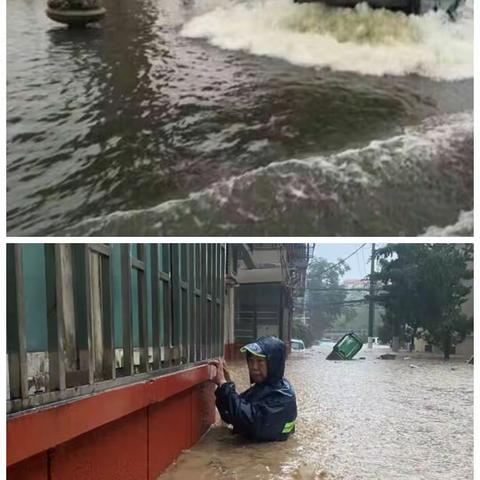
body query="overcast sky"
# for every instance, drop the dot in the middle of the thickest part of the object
(359, 264)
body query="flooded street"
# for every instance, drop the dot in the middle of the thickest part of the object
(404, 419)
(228, 117)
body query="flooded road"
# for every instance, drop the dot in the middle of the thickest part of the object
(404, 419)
(186, 117)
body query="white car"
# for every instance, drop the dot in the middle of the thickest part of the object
(297, 346)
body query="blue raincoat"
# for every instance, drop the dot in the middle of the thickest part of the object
(266, 411)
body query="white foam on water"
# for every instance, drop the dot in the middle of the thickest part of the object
(461, 228)
(361, 40)
(310, 183)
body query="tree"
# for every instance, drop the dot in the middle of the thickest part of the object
(424, 287)
(400, 295)
(324, 296)
(444, 273)
(303, 332)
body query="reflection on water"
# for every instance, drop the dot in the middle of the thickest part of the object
(364, 419)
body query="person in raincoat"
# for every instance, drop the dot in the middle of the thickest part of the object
(268, 409)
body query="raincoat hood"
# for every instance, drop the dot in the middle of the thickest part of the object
(274, 349)
(266, 411)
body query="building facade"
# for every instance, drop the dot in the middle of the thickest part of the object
(269, 278)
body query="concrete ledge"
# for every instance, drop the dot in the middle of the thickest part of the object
(36, 431)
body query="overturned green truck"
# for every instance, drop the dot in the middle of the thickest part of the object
(346, 348)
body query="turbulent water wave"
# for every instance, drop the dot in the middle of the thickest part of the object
(398, 186)
(362, 40)
(463, 227)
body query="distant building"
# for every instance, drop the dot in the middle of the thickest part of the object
(270, 278)
(356, 283)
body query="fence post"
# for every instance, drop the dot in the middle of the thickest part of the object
(16, 331)
(128, 366)
(55, 315)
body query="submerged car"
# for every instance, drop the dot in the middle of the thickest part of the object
(297, 345)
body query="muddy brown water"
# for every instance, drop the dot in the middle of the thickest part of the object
(402, 419)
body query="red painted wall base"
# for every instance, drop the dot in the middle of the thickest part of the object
(138, 445)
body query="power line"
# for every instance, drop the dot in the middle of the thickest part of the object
(364, 264)
(357, 256)
(346, 302)
(342, 261)
(337, 289)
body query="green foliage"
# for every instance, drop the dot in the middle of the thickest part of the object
(324, 306)
(303, 332)
(424, 287)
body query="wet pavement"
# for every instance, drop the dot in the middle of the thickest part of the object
(404, 419)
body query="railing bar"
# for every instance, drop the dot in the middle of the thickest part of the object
(218, 301)
(55, 316)
(21, 324)
(100, 248)
(216, 291)
(185, 299)
(211, 313)
(45, 399)
(163, 275)
(209, 302)
(88, 317)
(16, 338)
(138, 264)
(155, 286)
(190, 300)
(222, 298)
(214, 295)
(107, 317)
(128, 366)
(167, 305)
(203, 286)
(142, 312)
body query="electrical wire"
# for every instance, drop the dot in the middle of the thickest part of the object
(342, 261)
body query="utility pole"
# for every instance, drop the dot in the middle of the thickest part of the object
(371, 305)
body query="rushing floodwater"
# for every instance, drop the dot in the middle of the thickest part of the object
(239, 117)
(360, 420)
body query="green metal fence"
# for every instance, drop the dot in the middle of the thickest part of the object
(83, 318)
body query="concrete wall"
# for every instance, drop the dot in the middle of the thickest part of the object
(264, 275)
(465, 349)
(272, 256)
(229, 323)
(270, 265)
(419, 345)
(132, 432)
